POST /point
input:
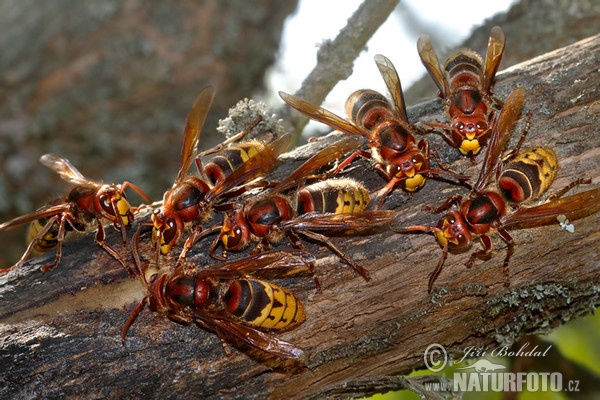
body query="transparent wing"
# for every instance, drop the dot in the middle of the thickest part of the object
(572, 207)
(322, 115)
(318, 160)
(65, 169)
(493, 56)
(274, 262)
(392, 81)
(193, 126)
(236, 332)
(432, 64)
(350, 222)
(45, 212)
(501, 132)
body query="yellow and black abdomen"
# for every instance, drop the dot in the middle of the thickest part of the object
(528, 175)
(338, 196)
(48, 241)
(264, 305)
(230, 159)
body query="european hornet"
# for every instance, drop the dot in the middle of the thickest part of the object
(223, 299)
(323, 207)
(486, 210)
(465, 86)
(399, 158)
(191, 198)
(85, 207)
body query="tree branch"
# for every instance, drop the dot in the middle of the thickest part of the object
(335, 58)
(61, 329)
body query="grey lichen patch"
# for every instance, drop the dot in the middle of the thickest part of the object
(419, 313)
(243, 114)
(538, 308)
(475, 289)
(437, 296)
(528, 297)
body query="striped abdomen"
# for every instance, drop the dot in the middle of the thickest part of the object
(263, 305)
(230, 159)
(368, 108)
(528, 175)
(464, 69)
(333, 196)
(49, 240)
(46, 242)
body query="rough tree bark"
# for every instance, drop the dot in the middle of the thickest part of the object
(60, 330)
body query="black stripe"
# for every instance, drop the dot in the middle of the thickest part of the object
(530, 173)
(517, 178)
(257, 299)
